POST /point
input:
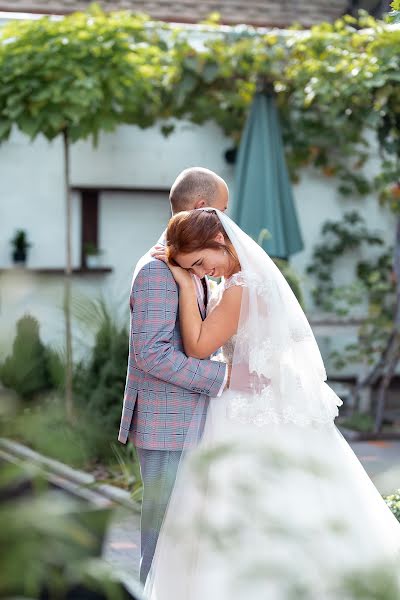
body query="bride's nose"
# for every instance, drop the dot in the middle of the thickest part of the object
(200, 272)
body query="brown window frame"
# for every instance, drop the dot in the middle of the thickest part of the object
(90, 211)
(89, 221)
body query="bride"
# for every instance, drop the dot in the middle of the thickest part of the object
(272, 503)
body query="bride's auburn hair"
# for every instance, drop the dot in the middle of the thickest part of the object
(193, 230)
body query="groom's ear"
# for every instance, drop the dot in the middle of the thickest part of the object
(200, 204)
(220, 238)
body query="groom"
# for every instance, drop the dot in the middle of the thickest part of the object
(164, 386)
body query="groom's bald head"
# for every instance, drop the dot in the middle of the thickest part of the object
(197, 188)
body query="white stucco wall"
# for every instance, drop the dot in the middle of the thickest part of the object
(31, 197)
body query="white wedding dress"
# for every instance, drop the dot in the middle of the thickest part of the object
(273, 504)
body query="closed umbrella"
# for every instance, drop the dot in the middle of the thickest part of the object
(263, 196)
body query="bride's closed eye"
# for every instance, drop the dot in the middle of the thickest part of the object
(196, 264)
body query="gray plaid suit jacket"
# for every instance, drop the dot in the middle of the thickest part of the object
(163, 386)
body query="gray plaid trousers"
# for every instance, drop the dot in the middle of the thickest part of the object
(158, 468)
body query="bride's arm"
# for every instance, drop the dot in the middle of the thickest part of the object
(202, 338)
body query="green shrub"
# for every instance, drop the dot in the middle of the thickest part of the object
(359, 422)
(56, 368)
(393, 502)
(99, 383)
(50, 542)
(26, 370)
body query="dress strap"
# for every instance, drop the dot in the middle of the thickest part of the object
(235, 279)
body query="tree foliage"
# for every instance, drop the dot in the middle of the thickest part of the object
(89, 72)
(83, 73)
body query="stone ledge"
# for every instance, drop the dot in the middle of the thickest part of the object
(73, 478)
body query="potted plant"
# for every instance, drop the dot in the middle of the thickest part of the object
(20, 246)
(92, 255)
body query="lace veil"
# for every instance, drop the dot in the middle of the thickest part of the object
(278, 375)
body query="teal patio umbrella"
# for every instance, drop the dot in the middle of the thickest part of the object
(263, 196)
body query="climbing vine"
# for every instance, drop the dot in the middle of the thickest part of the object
(338, 238)
(373, 286)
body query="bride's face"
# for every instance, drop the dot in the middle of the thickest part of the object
(209, 261)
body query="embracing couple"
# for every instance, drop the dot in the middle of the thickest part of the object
(249, 490)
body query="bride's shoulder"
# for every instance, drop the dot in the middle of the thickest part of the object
(237, 279)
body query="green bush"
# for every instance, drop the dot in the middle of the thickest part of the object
(56, 368)
(359, 422)
(32, 370)
(26, 370)
(50, 542)
(393, 502)
(99, 383)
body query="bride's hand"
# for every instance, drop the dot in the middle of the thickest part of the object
(181, 276)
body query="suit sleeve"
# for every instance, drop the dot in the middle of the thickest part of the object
(154, 310)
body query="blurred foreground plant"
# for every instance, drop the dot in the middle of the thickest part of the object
(50, 542)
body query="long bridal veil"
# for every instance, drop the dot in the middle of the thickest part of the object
(277, 369)
(272, 503)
